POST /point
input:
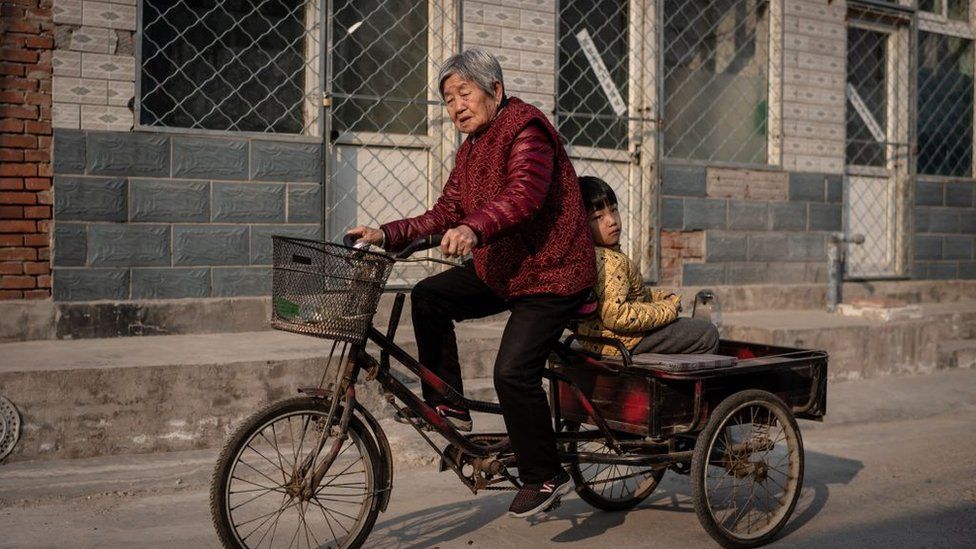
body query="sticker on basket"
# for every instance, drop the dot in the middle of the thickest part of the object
(285, 308)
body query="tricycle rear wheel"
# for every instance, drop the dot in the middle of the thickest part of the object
(747, 469)
(610, 487)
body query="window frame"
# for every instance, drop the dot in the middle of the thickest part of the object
(314, 133)
(774, 95)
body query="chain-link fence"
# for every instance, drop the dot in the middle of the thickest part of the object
(231, 66)
(629, 84)
(606, 108)
(716, 62)
(878, 88)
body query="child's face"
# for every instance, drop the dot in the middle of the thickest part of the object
(605, 225)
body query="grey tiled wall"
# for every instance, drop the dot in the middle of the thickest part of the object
(771, 230)
(945, 229)
(142, 215)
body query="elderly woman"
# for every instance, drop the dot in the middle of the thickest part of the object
(513, 201)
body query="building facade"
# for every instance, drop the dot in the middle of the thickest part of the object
(739, 134)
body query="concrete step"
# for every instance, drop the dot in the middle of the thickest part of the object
(959, 353)
(861, 347)
(163, 393)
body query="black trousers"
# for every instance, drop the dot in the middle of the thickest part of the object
(684, 335)
(535, 324)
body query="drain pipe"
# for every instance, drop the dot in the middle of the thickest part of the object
(836, 257)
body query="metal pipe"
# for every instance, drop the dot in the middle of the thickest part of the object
(836, 256)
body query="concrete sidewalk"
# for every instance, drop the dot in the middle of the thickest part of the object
(92, 397)
(850, 403)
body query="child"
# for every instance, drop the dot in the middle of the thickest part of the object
(643, 319)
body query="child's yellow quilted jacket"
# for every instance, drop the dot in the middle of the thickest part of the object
(627, 310)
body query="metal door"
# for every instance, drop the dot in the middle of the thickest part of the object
(605, 108)
(878, 162)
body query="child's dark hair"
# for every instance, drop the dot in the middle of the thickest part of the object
(597, 194)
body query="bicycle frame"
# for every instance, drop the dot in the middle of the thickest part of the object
(629, 449)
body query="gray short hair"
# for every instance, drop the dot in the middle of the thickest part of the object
(475, 65)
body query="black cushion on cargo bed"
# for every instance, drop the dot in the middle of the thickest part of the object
(680, 363)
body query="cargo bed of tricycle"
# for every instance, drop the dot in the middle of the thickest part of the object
(664, 395)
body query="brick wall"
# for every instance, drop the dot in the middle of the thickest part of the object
(25, 149)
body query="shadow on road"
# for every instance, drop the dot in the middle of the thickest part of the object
(452, 522)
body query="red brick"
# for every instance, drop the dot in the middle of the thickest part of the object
(43, 113)
(11, 268)
(37, 294)
(11, 212)
(9, 10)
(45, 197)
(37, 268)
(31, 155)
(17, 254)
(11, 184)
(19, 111)
(44, 142)
(23, 170)
(43, 85)
(45, 170)
(37, 212)
(40, 42)
(11, 240)
(44, 254)
(14, 83)
(18, 227)
(43, 227)
(39, 98)
(18, 55)
(18, 282)
(21, 26)
(15, 97)
(37, 240)
(11, 294)
(15, 69)
(18, 141)
(37, 127)
(12, 155)
(11, 125)
(38, 184)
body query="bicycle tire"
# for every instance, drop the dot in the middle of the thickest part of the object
(225, 501)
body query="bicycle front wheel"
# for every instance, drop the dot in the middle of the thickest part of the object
(258, 496)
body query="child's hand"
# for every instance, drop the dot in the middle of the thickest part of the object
(676, 299)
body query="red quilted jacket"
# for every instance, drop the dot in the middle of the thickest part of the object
(515, 187)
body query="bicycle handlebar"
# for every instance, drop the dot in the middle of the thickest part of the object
(419, 245)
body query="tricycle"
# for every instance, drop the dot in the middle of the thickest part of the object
(317, 469)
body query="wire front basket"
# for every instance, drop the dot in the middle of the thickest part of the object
(325, 290)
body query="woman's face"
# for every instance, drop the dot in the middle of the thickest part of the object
(470, 108)
(605, 226)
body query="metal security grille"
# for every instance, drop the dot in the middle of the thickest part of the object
(715, 67)
(391, 142)
(231, 65)
(945, 105)
(878, 155)
(606, 108)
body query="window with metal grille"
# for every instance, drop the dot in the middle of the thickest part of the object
(716, 67)
(957, 10)
(379, 66)
(867, 95)
(591, 112)
(230, 65)
(945, 105)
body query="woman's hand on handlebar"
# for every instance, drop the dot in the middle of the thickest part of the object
(363, 233)
(458, 241)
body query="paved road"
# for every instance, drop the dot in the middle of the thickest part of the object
(893, 467)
